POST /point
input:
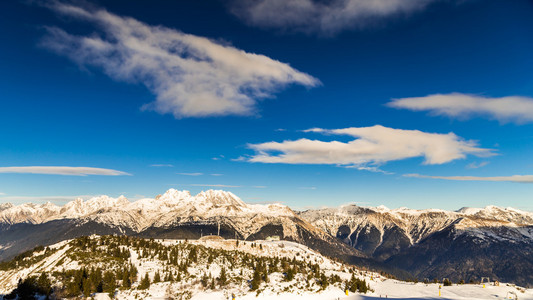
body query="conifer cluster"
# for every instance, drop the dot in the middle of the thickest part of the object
(105, 267)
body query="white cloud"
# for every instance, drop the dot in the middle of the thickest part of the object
(162, 165)
(372, 145)
(307, 188)
(514, 109)
(513, 178)
(191, 76)
(323, 17)
(62, 170)
(477, 165)
(2, 194)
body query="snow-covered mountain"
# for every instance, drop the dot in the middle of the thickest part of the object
(490, 241)
(141, 213)
(171, 208)
(174, 214)
(374, 229)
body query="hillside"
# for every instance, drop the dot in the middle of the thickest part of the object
(210, 268)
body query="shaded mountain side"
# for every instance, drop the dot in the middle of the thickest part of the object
(378, 232)
(369, 239)
(457, 255)
(190, 230)
(21, 237)
(466, 244)
(377, 266)
(326, 245)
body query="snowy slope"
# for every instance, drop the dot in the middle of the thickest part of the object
(277, 288)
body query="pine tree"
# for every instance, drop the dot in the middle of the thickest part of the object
(323, 282)
(222, 279)
(193, 254)
(256, 281)
(126, 281)
(290, 274)
(204, 280)
(44, 285)
(73, 288)
(171, 276)
(265, 277)
(157, 277)
(133, 273)
(25, 289)
(109, 283)
(86, 283)
(212, 285)
(145, 283)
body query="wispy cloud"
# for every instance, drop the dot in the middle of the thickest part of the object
(515, 109)
(200, 174)
(162, 165)
(307, 188)
(372, 145)
(477, 165)
(371, 169)
(513, 178)
(2, 194)
(191, 76)
(43, 199)
(215, 185)
(322, 17)
(62, 170)
(259, 187)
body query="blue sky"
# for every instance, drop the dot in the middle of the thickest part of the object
(414, 103)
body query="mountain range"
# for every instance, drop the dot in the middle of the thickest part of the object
(425, 244)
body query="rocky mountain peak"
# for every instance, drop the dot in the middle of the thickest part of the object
(219, 198)
(174, 196)
(5, 206)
